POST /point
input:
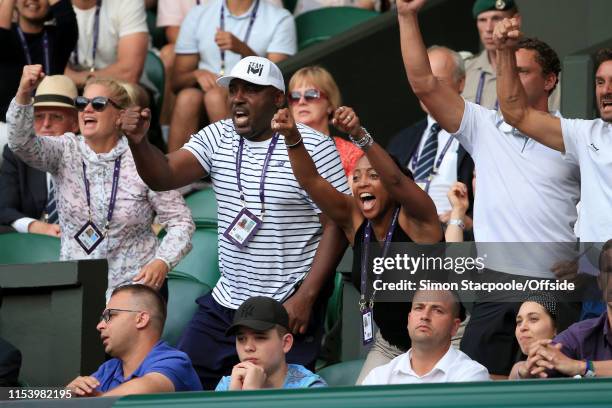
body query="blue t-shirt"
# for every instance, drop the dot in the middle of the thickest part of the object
(297, 377)
(162, 359)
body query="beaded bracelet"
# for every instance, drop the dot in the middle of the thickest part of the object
(363, 143)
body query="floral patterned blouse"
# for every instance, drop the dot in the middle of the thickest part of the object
(130, 242)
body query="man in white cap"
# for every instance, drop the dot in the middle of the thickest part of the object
(271, 255)
(27, 202)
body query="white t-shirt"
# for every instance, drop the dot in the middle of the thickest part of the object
(588, 143)
(281, 252)
(118, 18)
(525, 192)
(273, 32)
(447, 173)
(455, 366)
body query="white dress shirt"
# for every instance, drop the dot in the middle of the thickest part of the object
(455, 366)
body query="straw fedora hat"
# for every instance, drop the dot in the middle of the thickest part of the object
(56, 90)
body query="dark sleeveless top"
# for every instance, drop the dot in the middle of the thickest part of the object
(390, 317)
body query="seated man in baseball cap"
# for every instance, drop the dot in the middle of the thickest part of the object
(261, 327)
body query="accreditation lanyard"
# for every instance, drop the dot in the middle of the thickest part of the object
(113, 198)
(96, 32)
(246, 36)
(262, 179)
(480, 90)
(26, 49)
(365, 255)
(438, 163)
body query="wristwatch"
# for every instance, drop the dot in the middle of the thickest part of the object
(458, 222)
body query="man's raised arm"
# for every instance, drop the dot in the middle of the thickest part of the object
(540, 126)
(160, 172)
(444, 104)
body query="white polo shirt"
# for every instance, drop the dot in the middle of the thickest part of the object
(455, 366)
(588, 143)
(447, 172)
(525, 192)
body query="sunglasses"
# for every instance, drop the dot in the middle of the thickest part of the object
(309, 95)
(98, 103)
(108, 313)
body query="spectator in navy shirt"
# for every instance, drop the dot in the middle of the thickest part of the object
(130, 329)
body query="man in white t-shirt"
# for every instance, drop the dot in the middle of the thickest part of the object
(526, 192)
(275, 255)
(587, 143)
(433, 320)
(212, 39)
(119, 47)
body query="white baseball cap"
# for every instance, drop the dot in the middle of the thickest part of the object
(256, 70)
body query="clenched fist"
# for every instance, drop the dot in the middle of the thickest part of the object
(134, 122)
(507, 33)
(30, 78)
(346, 120)
(283, 123)
(405, 7)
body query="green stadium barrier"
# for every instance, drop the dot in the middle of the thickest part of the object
(203, 206)
(16, 248)
(559, 393)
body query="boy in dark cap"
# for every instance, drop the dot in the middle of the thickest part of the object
(261, 327)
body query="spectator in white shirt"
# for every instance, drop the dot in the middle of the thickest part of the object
(433, 320)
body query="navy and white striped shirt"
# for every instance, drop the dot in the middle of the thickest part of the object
(281, 252)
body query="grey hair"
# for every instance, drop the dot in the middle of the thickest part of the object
(459, 72)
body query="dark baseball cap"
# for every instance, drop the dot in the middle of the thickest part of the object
(259, 313)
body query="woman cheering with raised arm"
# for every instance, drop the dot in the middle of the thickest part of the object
(386, 206)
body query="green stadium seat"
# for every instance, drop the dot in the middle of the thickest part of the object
(202, 263)
(154, 69)
(16, 248)
(321, 24)
(182, 293)
(342, 374)
(203, 206)
(158, 34)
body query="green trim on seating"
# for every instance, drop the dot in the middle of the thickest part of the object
(322, 24)
(203, 206)
(560, 393)
(16, 248)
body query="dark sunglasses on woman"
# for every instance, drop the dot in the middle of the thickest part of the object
(98, 103)
(309, 95)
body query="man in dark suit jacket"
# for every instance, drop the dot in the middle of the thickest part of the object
(24, 189)
(410, 144)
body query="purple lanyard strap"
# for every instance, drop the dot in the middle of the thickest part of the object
(96, 33)
(113, 198)
(365, 255)
(438, 163)
(26, 49)
(262, 179)
(246, 36)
